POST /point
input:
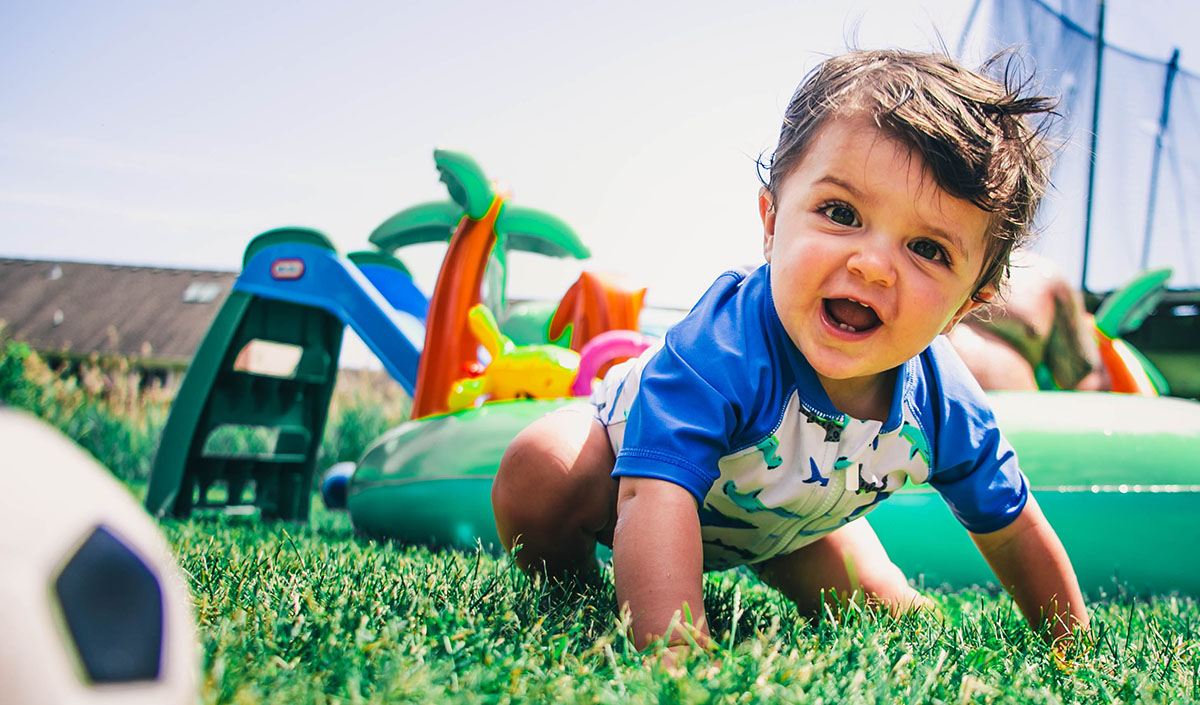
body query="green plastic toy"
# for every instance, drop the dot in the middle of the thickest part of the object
(517, 227)
(240, 437)
(1116, 474)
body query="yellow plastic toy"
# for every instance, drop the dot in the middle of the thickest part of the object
(515, 372)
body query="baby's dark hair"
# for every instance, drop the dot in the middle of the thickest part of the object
(973, 131)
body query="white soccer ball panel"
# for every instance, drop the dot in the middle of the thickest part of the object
(81, 560)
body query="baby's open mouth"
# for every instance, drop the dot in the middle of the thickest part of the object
(850, 315)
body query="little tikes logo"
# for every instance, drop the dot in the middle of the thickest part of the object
(287, 269)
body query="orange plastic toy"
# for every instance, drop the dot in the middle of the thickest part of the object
(596, 303)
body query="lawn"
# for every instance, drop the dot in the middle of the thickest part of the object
(314, 614)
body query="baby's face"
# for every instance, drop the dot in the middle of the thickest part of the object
(870, 259)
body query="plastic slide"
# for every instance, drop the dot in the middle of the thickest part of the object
(392, 279)
(246, 425)
(317, 277)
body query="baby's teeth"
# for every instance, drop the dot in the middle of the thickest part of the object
(847, 327)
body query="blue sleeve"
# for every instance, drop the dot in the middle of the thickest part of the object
(686, 411)
(974, 467)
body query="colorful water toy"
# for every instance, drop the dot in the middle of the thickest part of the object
(485, 227)
(1121, 314)
(602, 350)
(292, 301)
(1114, 473)
(594, 304)
(525, 372)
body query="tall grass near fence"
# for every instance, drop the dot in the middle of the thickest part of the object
(102, 404)
(365, 404)
(106, 406)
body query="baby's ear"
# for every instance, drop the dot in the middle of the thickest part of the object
(766, 211)
(983, 297)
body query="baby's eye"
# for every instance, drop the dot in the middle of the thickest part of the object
(841, 214)
(929, 250)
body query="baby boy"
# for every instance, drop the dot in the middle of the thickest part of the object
(794, 398)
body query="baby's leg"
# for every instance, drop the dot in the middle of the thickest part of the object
(849, 560)
(554, 494)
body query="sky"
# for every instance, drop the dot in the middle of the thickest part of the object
(171, 133)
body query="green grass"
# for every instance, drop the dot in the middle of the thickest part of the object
(314, 614)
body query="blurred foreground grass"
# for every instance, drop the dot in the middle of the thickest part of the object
(302, 614)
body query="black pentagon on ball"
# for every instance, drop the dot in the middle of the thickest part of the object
(113, 607)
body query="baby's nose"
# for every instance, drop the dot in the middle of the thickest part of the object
(873, 264)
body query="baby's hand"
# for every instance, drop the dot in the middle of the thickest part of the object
(658, 560)
(675, 660)
(688, 642)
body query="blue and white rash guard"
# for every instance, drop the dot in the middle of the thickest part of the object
(728, 408)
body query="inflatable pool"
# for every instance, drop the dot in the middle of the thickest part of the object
(430, 481)
(1118, 476)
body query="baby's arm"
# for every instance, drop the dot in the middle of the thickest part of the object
(1032, 565)
(658, 559)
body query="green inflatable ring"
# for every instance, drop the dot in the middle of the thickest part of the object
(429, 481)
(1117, 475)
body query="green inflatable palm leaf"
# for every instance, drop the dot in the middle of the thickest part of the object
(424, 222)
(1125, 309)
(531, 230)
(465, 181)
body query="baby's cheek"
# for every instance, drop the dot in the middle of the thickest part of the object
(936, 303)
(785, 305)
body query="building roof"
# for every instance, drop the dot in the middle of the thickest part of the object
(155, 314)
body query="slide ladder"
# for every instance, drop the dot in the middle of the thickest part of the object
(246, 425)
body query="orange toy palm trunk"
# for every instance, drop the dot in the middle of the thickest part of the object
(449, 344)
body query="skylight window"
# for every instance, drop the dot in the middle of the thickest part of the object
(201, 292)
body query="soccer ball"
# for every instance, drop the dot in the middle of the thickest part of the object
(92, 606)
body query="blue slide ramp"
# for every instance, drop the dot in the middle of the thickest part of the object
(392, 279)
(312, 275)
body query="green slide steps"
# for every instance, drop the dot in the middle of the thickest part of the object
(237, 437)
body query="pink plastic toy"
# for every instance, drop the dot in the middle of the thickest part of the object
(604, 348)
